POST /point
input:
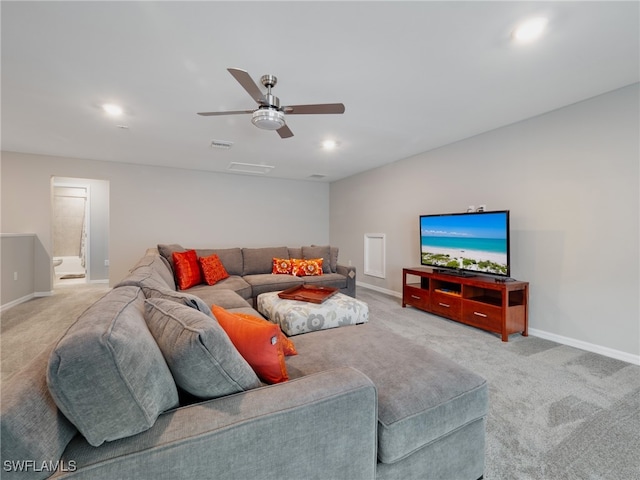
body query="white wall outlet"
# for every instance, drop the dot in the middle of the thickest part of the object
(15, 275)
(106, 263)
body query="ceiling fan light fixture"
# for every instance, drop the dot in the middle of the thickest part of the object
(268, 119)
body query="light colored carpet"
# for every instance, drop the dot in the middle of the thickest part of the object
(556, 412)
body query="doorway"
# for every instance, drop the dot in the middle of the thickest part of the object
(80, 231)
(70, 217)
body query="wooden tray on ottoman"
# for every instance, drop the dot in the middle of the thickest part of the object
(308, 293)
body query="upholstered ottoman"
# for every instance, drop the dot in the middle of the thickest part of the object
(296, 317)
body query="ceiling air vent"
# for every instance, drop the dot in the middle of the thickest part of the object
(317, 175)
(250, 168)
(224, 144)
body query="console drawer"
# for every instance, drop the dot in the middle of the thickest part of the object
(488, 317)
(447, 305)
(418, 297)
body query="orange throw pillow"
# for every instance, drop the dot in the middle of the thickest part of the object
(288, 347)
(258, 342)
(282, 266)
(307, 268)
(212, 269)
(187, 269)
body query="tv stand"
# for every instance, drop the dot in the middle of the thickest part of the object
(483, 302)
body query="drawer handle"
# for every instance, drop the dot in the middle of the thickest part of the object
(415, 296)
(480, 314)
(444, 305)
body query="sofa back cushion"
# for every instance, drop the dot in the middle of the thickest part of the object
(184, 298)
(107, 374)
(231, 258)
(32, 426)
(199, 353)
(316, 251)
(158, 266)
(260, 260)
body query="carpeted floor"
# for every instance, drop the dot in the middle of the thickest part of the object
(556, 412)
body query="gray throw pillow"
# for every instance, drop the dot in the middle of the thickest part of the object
(107, 374)
(180, 297)
(199, 353)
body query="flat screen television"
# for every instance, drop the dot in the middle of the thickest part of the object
(466, 243)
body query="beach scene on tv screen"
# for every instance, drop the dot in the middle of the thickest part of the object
(468, 242)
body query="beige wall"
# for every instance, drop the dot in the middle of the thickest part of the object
(151, 205)
(17, 277)
(570, 180)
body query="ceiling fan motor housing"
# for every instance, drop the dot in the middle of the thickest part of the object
(268, 118)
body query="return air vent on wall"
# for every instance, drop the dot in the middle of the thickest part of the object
(250, 168)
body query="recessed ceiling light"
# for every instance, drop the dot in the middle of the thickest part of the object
(112, 109)
(329, 144)
(530, 30)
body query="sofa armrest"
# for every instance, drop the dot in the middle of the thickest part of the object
(350, 273)
(318, 426)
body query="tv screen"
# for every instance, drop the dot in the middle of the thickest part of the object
(476, 242)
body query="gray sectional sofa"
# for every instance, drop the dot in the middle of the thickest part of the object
(250, 270)
(107, 400)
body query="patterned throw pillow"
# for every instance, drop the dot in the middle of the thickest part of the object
(282, 266)
(187, 269)
(307, 268)
(213, 269)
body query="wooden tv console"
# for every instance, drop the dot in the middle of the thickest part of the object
(484, 302)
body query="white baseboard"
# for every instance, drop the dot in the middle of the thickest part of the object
(571, 342)
(379, 289)
(26, 298)
(589, 347)
(43, 294)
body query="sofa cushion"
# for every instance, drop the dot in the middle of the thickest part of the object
(212, 269)
(32, 426)
(166, 251)
(327, 280)
(199, 353)
(267, 282)
(422, 395)
(258, 341)
(316, 251)
(159, 266)
(232, 284)
(260, 260)
(184, 298)
(231, 258)
(107, 374)
(187, 269)
(333, 256)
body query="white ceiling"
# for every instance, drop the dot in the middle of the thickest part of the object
(413, 76)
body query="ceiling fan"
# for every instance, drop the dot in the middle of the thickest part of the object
(270, 115)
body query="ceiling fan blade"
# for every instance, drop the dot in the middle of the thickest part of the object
(285, 132)
(314, 109)
(248, 84)
(236, 112)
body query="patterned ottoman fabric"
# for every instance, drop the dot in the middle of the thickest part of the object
(296, 317)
